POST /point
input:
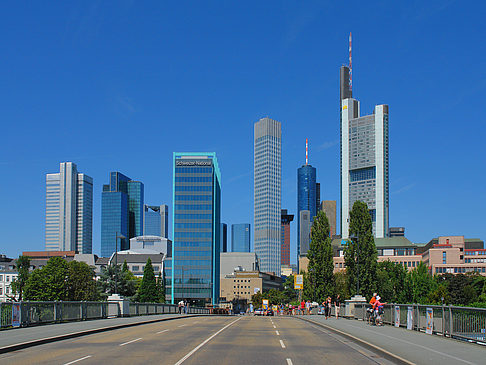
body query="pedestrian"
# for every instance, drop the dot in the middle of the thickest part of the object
(302, 307)
(186, 307)
(337, 305)
(180, 305)
(307, 307)
(328, 307)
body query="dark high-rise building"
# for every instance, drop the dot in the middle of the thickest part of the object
(329, 209)
(318, 197)
(224, 237)
(345, 91)
(196, 220)
(240, 237)
(306, 199)
(121, 212)
(285, 252)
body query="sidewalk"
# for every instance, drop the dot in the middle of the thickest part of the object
(31, 336)
(416, 347)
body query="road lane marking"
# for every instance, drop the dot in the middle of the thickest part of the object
(278, 334)
(126, 343)
(182, 325)
(411, 343)
(162, 331)
(282, 344)
(289, 362)
(196, 322)
(204, 342)
(83, 358)
(274, 326)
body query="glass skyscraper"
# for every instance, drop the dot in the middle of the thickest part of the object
(156, 220)
(196, 228)
(267, 197)
(69, 210)
(306, 198)
(285, 248)
(224, 237)
(121, 212)
(240, 237)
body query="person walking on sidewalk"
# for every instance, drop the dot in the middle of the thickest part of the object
(337, 305)
(327, 307)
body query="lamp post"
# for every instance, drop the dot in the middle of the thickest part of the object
(117, 236)
(356, 237)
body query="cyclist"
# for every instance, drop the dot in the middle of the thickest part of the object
(371, 312)
(378, 310)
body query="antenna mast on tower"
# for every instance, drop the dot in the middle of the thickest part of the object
(306, 152)
(350, 64)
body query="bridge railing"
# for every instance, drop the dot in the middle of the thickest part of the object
(36, 313)
(466, 323)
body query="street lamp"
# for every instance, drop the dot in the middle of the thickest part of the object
(356, 237)
(117, 236)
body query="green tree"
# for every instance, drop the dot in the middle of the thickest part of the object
(289, 293)
(110, 280)
(147, 293)
(129, 283)
(49, 283)
(321, 265)
(390, 281)
(419, 284)
(439, 295)
(342, 285)
(360, 254)
(161, 288)
(81, 283)
(18, 284)
(257, 299)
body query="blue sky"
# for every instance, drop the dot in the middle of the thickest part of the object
(120, 85)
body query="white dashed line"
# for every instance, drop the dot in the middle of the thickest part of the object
(126, 343)
(289, 362)
(274, 326)
(278, 334)
(282, 344)
(162, 331)
(83, 358)
(204, 342)
(182, 325)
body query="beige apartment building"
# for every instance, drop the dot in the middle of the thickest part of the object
(241, 285)
(447, 254)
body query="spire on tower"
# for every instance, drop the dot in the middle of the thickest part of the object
(306, 152)
(350, 63)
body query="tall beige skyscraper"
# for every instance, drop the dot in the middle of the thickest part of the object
(69, 210)
(267, 198)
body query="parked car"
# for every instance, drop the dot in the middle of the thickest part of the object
(258, 312)
(269, 312)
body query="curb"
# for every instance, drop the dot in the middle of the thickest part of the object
(386, 354)
(42, 341)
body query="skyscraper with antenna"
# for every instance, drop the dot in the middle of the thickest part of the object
(307, 196)
(364, 156)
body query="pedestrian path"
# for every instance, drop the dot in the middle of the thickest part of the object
(45, 333)
(413, 346)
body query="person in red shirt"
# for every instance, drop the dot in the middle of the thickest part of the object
(302, 307)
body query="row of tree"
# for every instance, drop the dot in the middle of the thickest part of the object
(76, 281)
(365, 275)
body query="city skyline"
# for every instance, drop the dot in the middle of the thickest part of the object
(77, 75)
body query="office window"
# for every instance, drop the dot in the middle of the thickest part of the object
(135, 268)
(444, 257)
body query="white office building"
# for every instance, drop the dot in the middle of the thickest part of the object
(267, 188)
(69, 210)
(364, 164)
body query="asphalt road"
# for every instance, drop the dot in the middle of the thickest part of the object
(203, 340)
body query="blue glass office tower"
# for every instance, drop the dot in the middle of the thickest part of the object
(156, 220)
(240, 237)
(121, 212)
(306, 198)
(224, 237)
(196, 228)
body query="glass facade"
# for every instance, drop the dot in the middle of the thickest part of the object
(156, 220)
(196, 228)
(240, 237)
(224, 237)
(306, 198)
(267, 193)
(121, 212)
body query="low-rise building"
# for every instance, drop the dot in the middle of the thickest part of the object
(8, 273)
(241, 285)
